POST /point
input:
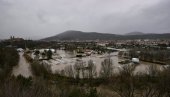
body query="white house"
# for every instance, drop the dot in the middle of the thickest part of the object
(135, 60)
(20, 49)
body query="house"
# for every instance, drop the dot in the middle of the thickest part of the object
(168, 48)
(135, 60)
(20, 49)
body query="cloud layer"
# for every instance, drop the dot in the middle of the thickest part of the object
(41, 18)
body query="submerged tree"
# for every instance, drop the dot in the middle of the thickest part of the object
(77, 69)
(49, 54)
(68, 70)
(91, 69)
(37, 56)
(106, 68)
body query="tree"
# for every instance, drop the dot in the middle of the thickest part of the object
(43, 55)
(77, 69)
(68, 70)
(125, 85)
(91, 69)
(106, 68)
(37, 52)
(153, 70)
(9, 57)
(49, 54)
(41, 69)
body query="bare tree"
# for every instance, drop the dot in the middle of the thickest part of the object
(91, 69)
(49, 54)
(106, 68)
(78, 68)
(157, 83)
(83, 69)
(124, 85)
(127, 70)
(153, 70)
(69, 71)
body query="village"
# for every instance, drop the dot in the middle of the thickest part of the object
(65, 54)
(90, 66)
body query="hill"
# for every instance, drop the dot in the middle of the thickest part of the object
(135, 33)
(79, 35)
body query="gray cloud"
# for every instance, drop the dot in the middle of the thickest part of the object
(42, 18)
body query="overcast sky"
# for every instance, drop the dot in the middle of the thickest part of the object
(42, 18)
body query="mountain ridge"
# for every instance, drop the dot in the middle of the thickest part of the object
(135, 33)
(80, 35)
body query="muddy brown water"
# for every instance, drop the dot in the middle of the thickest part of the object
(68, 58)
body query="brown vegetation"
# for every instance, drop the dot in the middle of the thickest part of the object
(8, 59)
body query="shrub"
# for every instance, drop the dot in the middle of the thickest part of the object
(41, 69)
(9, 58)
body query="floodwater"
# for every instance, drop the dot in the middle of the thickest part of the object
(62, 58)
(68, 58)
(23, 67)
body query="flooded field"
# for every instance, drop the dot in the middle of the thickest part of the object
(62, 58)
(68, 58)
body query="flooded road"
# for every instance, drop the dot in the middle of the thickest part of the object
(23, 67)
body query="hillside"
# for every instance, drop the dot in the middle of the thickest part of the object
(79, 35)
(135, 33)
